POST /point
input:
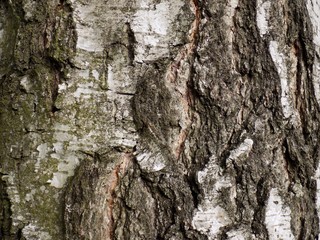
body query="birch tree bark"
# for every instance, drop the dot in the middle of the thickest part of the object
(159, 119)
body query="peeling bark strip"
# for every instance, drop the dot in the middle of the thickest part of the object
(188, 51)
(179, 75)
(114, 179)
(151, 119)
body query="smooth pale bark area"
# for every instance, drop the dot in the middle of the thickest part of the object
(159, 119)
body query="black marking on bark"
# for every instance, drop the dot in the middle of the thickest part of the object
(131, 44)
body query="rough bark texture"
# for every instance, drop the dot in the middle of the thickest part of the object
(159, 119)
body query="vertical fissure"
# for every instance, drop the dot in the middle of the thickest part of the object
(5, 211)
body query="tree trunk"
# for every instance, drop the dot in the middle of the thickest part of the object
(159, 119)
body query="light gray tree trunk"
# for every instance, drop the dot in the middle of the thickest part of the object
(159, 119)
